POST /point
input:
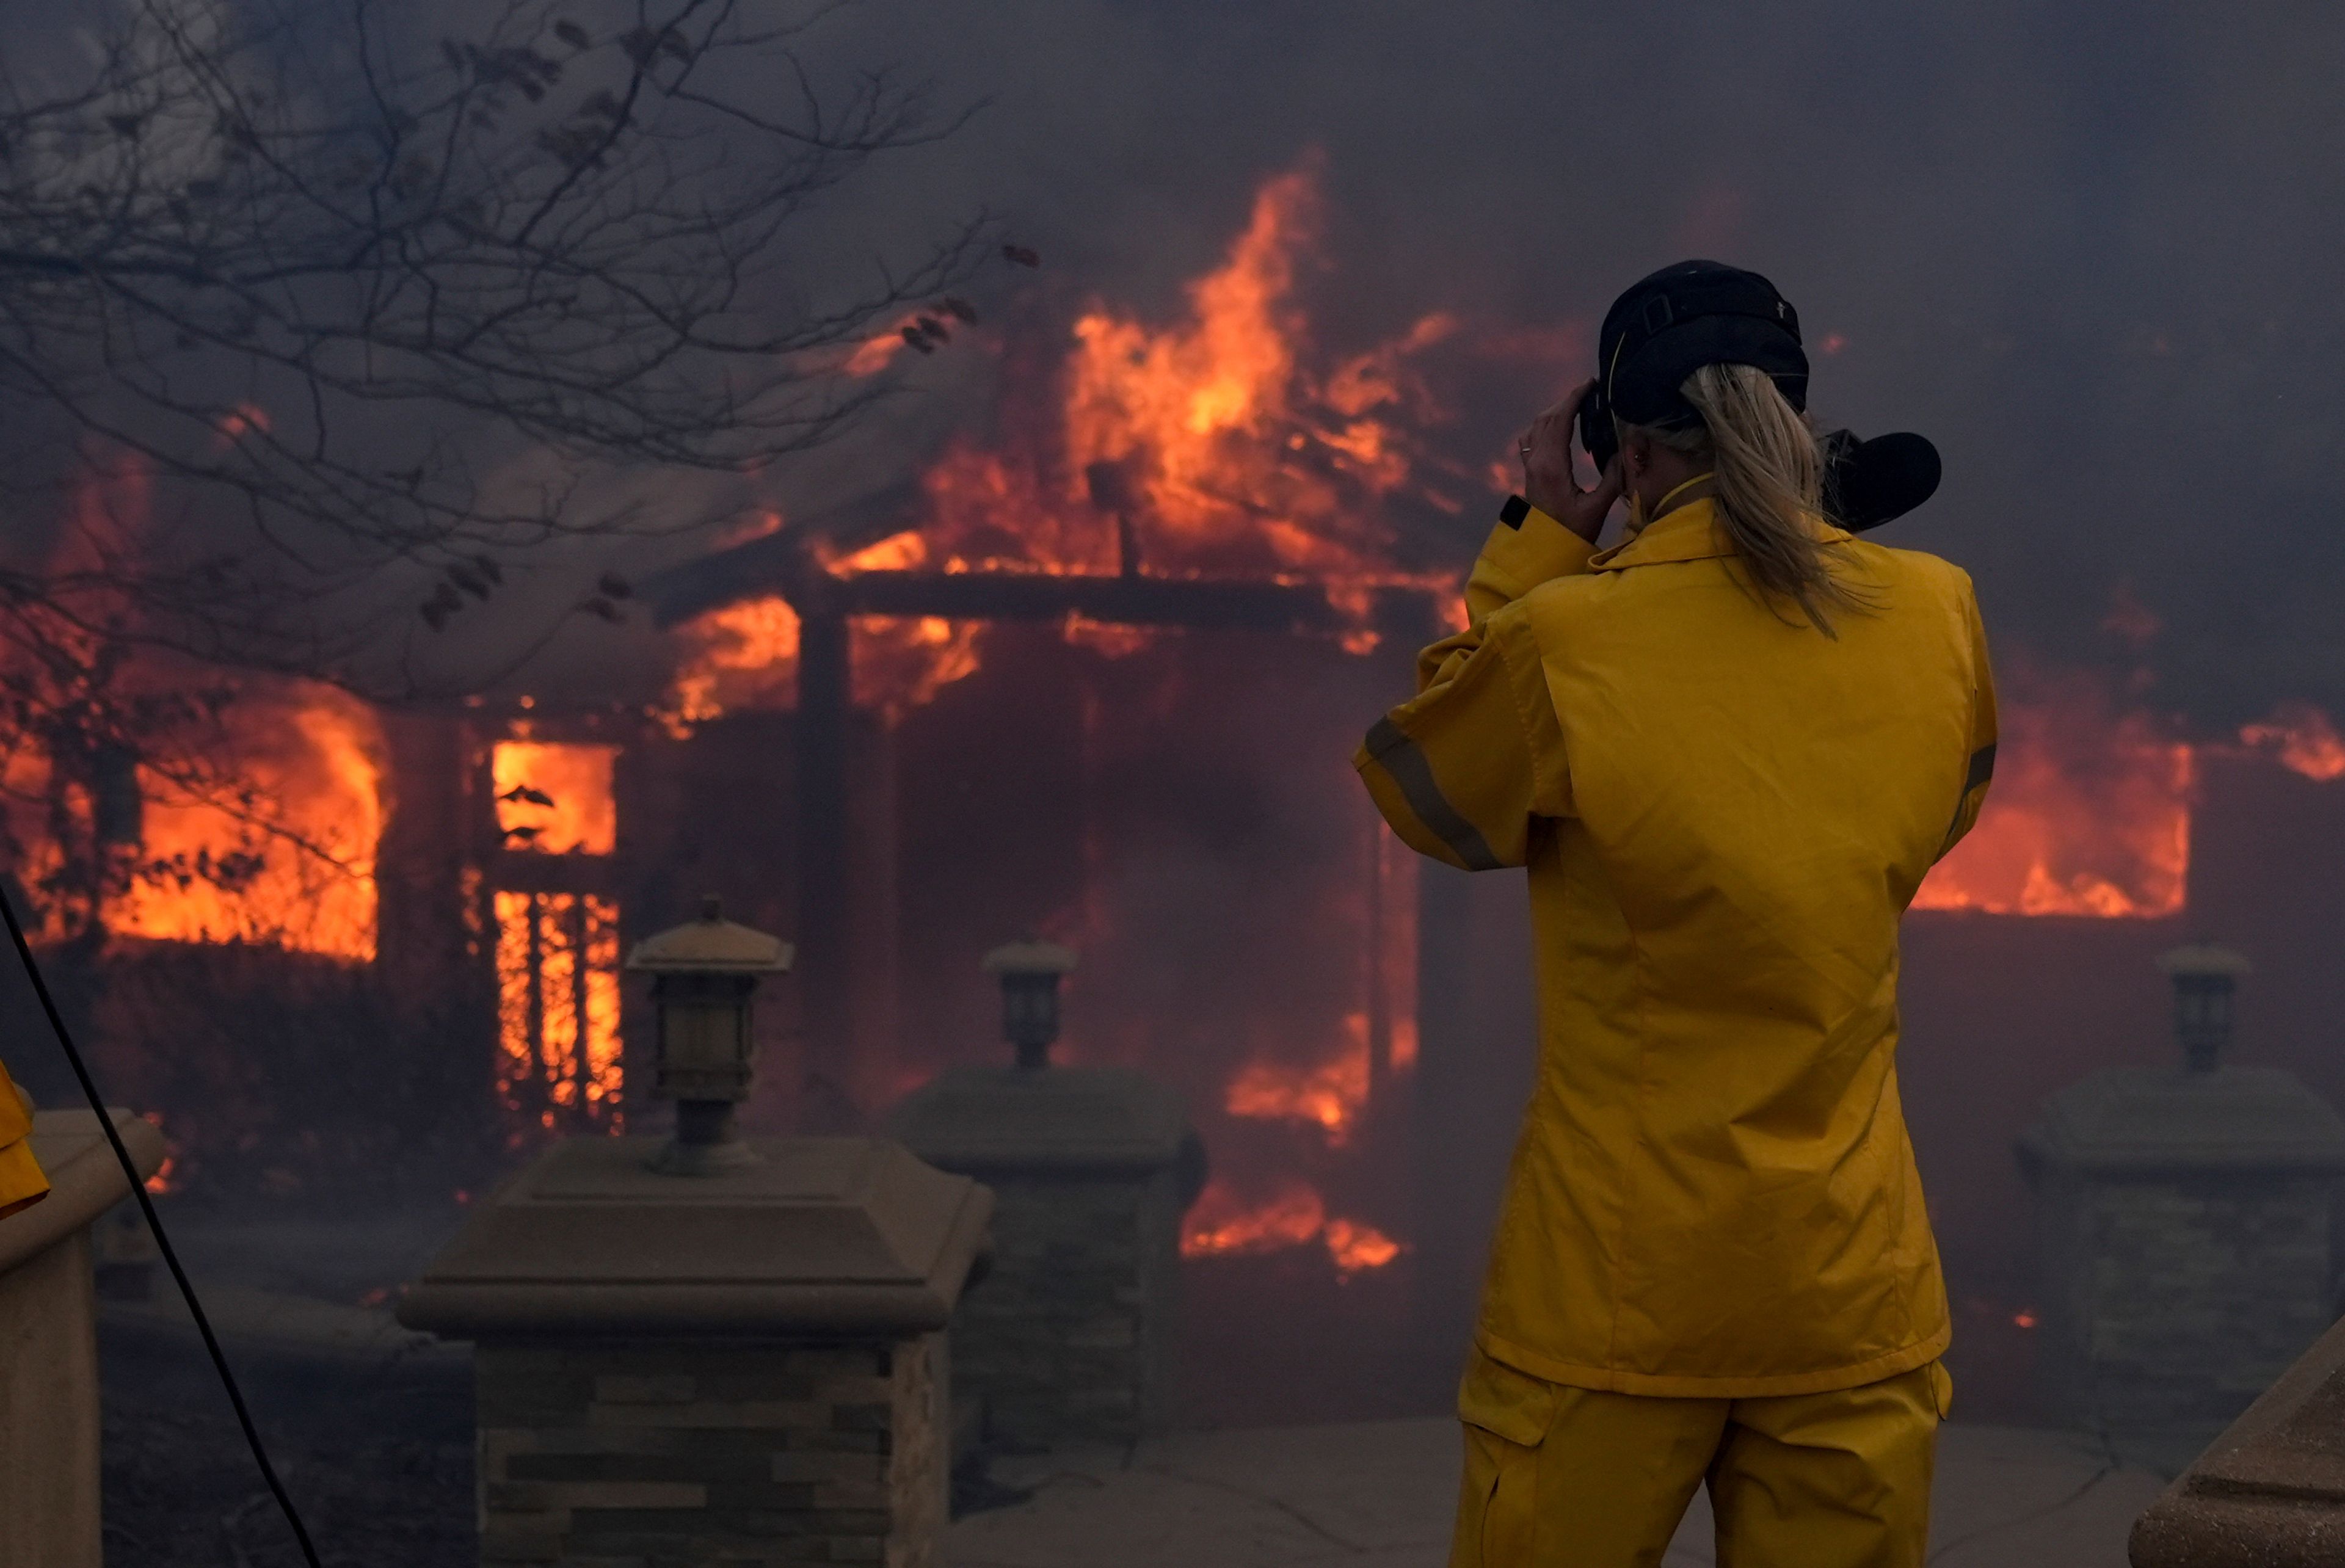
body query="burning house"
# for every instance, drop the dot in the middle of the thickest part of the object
(1096, 677)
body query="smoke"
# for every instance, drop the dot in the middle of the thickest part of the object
(2084, 248)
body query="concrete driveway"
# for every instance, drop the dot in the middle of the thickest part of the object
(1378, 1495)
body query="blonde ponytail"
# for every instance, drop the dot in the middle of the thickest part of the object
(1769, 480)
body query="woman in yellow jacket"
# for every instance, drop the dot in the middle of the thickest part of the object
(1728, 749)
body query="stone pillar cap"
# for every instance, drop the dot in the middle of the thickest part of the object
(1007, 1118)
(2205, 958)
(2141, 1120)
(1030, 957)
(84, 1178)
(2271, 1491)
(825, 1234)
(711, 945)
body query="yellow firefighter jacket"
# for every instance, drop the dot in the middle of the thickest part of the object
(21, 1180)
(1724, 814)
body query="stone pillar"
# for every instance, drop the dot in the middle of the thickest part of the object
(48, 1340)
(2271, 1491)
(746, 1367)
(2184, 1226)
(1070, 1339)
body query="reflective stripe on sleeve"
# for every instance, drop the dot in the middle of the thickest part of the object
(1982, 768)
(1400, 757)
(1982, 771)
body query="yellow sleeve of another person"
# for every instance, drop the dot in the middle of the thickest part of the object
(22, 1180)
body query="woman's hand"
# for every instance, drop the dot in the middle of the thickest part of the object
(1548, 484)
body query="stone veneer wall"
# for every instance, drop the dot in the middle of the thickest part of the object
(2177, 1300)
(659, 1454)
(1067, 1339)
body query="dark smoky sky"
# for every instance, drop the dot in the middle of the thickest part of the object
(2092, 250)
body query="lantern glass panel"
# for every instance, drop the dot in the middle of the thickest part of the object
(2202, 1016)
(703, 1024)
(1032, 1004)
(700, 1036)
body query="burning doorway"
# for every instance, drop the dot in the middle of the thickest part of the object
(553, 905)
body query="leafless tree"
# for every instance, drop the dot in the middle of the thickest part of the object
(366, 304)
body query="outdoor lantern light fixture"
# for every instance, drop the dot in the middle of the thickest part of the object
(2205, 980)
(702, 977)
(1030, 973)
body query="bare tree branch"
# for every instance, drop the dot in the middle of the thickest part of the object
(317, 283)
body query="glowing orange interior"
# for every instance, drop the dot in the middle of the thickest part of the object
(281, 853)
(557, 958)
(555, 798)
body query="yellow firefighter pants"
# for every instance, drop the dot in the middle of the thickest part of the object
(1560, 1477)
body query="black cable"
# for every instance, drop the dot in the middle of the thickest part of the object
(155, 1224)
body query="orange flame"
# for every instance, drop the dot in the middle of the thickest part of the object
(2089, 814)
(1111, 640)
(746, 655)
(739, 655)
(1328, 1096)
(555, 798)
(558, 1008)
(874, 355)
(1403, 1042)
(1211, 440)
(903, 552)
(1209, 447)
(285, 855)
(922, 330)
(557, 954)
(1354, 1246)
(160, 1183)
(1221, 1225)
(250, 814)
(2304, 739)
